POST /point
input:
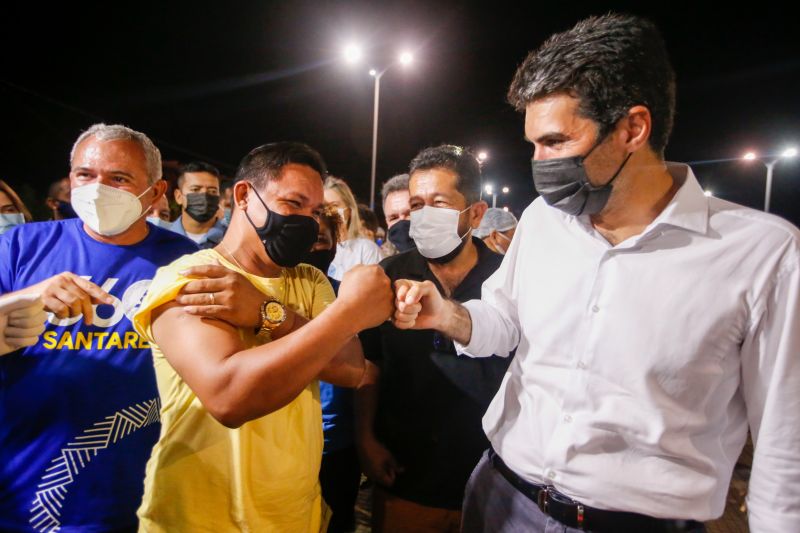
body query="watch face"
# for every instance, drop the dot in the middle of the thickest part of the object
(274, 312)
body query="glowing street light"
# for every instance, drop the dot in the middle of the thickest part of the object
(482, 156)
(770, 163)
(708, 193)
(491, 192)
(353, 54)
(505, 190)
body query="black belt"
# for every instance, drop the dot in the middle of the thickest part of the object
(575, 514)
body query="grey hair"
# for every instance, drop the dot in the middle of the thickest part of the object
(394, 184)
(114, 132)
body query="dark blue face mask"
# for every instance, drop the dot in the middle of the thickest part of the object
(563, 184)
(287, 239)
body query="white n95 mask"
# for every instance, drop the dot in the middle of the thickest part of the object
(107, 210)
(435, 232)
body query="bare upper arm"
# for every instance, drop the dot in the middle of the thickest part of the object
(198, 349)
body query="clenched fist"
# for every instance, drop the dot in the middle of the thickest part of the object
(419, 305)
(366, 293)
(22, 319)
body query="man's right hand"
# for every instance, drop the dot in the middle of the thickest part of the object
(366, 293)
(22, 319)
(419, 305)
(378, 462)
(68, 295)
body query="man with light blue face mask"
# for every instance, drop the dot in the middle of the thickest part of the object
(419, 430)
(12, 211)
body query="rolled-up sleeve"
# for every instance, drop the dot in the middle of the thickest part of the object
(495, 323)
(771, 387)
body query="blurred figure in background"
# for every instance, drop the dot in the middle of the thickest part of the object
(369, 223)
(397, 213)
(352, 248)
(198, 196)
(226, 200)
(12, 211)
(497, 229)
(159, 213)
(58, 200)
(340, 472)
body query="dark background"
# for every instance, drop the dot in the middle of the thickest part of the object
(213, 80)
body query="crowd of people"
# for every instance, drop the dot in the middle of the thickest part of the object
(594, 366)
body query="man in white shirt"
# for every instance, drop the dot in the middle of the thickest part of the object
(653, 325)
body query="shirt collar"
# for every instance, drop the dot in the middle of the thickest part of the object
(688, 209)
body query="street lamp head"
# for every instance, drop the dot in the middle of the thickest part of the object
(505, 190)
(708, 193)
(789, 152)
(373, 72)
(505, 208)
(405, 58)
(488, 189)
(352, 53)
(749, 156)
(482, 156)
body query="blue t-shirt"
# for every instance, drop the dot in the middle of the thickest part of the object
(79, 410)
(338, 425)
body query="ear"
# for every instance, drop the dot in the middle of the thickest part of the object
(178, 196)
(636, 127)
(159, 190)
(476, 213)
(241, 192)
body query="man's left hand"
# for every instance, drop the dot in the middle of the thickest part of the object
(218, 292)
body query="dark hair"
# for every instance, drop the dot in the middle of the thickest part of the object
(197, 166)
(610, 64)
(394, 184)
(369, 220)
(16, 200)
(455, 158)
(264, 163)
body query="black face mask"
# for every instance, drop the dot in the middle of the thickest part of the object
(201, 206)
(321, 259)
(399, 237)
(287, 239)
(563, 184)
(65, 210)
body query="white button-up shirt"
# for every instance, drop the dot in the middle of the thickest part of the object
(640, 366)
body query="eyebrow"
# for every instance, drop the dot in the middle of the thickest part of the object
(549, 136)
(115, 171)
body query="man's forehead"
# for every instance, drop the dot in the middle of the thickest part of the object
(94, 151)
(552, 114)
(432, 180)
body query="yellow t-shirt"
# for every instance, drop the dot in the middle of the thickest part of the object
(261, 477)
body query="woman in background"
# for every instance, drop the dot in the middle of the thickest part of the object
(353, 249)
(12, 211)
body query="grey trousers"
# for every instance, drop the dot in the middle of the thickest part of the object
(493, 505)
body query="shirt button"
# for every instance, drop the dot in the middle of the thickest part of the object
(581, 365)
(595, 309)
(551, 474)
(567, 418)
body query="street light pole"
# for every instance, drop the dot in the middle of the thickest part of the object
(770, 166)
(375, 139)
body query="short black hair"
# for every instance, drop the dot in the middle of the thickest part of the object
(197, 166)
(610, 64)
(460, 160)
(265, 162)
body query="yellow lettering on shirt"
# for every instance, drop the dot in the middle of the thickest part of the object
(83, 340)
(130, 339)
(100, 336)
(143, 343)
(114, 341)
(49, 340)
(66, 341)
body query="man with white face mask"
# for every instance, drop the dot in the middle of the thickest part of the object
(419, 429)
(79, 409)
(497, 229)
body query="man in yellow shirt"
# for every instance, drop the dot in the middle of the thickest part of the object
(241, 435)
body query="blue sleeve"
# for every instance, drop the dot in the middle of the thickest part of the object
(8, 261)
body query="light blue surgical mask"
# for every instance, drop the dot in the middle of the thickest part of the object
(156, 221)
(9, 220)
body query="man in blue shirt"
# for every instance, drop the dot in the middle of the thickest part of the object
(201, 218)
(79, 409)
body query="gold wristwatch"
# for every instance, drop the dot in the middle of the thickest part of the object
(273, 313)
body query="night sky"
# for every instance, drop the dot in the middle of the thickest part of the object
(213, 81)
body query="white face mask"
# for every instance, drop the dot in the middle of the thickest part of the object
(10, 220)
(107, 210)
(435, 231)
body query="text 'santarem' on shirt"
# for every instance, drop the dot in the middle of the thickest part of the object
(79, 410)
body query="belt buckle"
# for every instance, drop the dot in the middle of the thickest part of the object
(543, 499)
